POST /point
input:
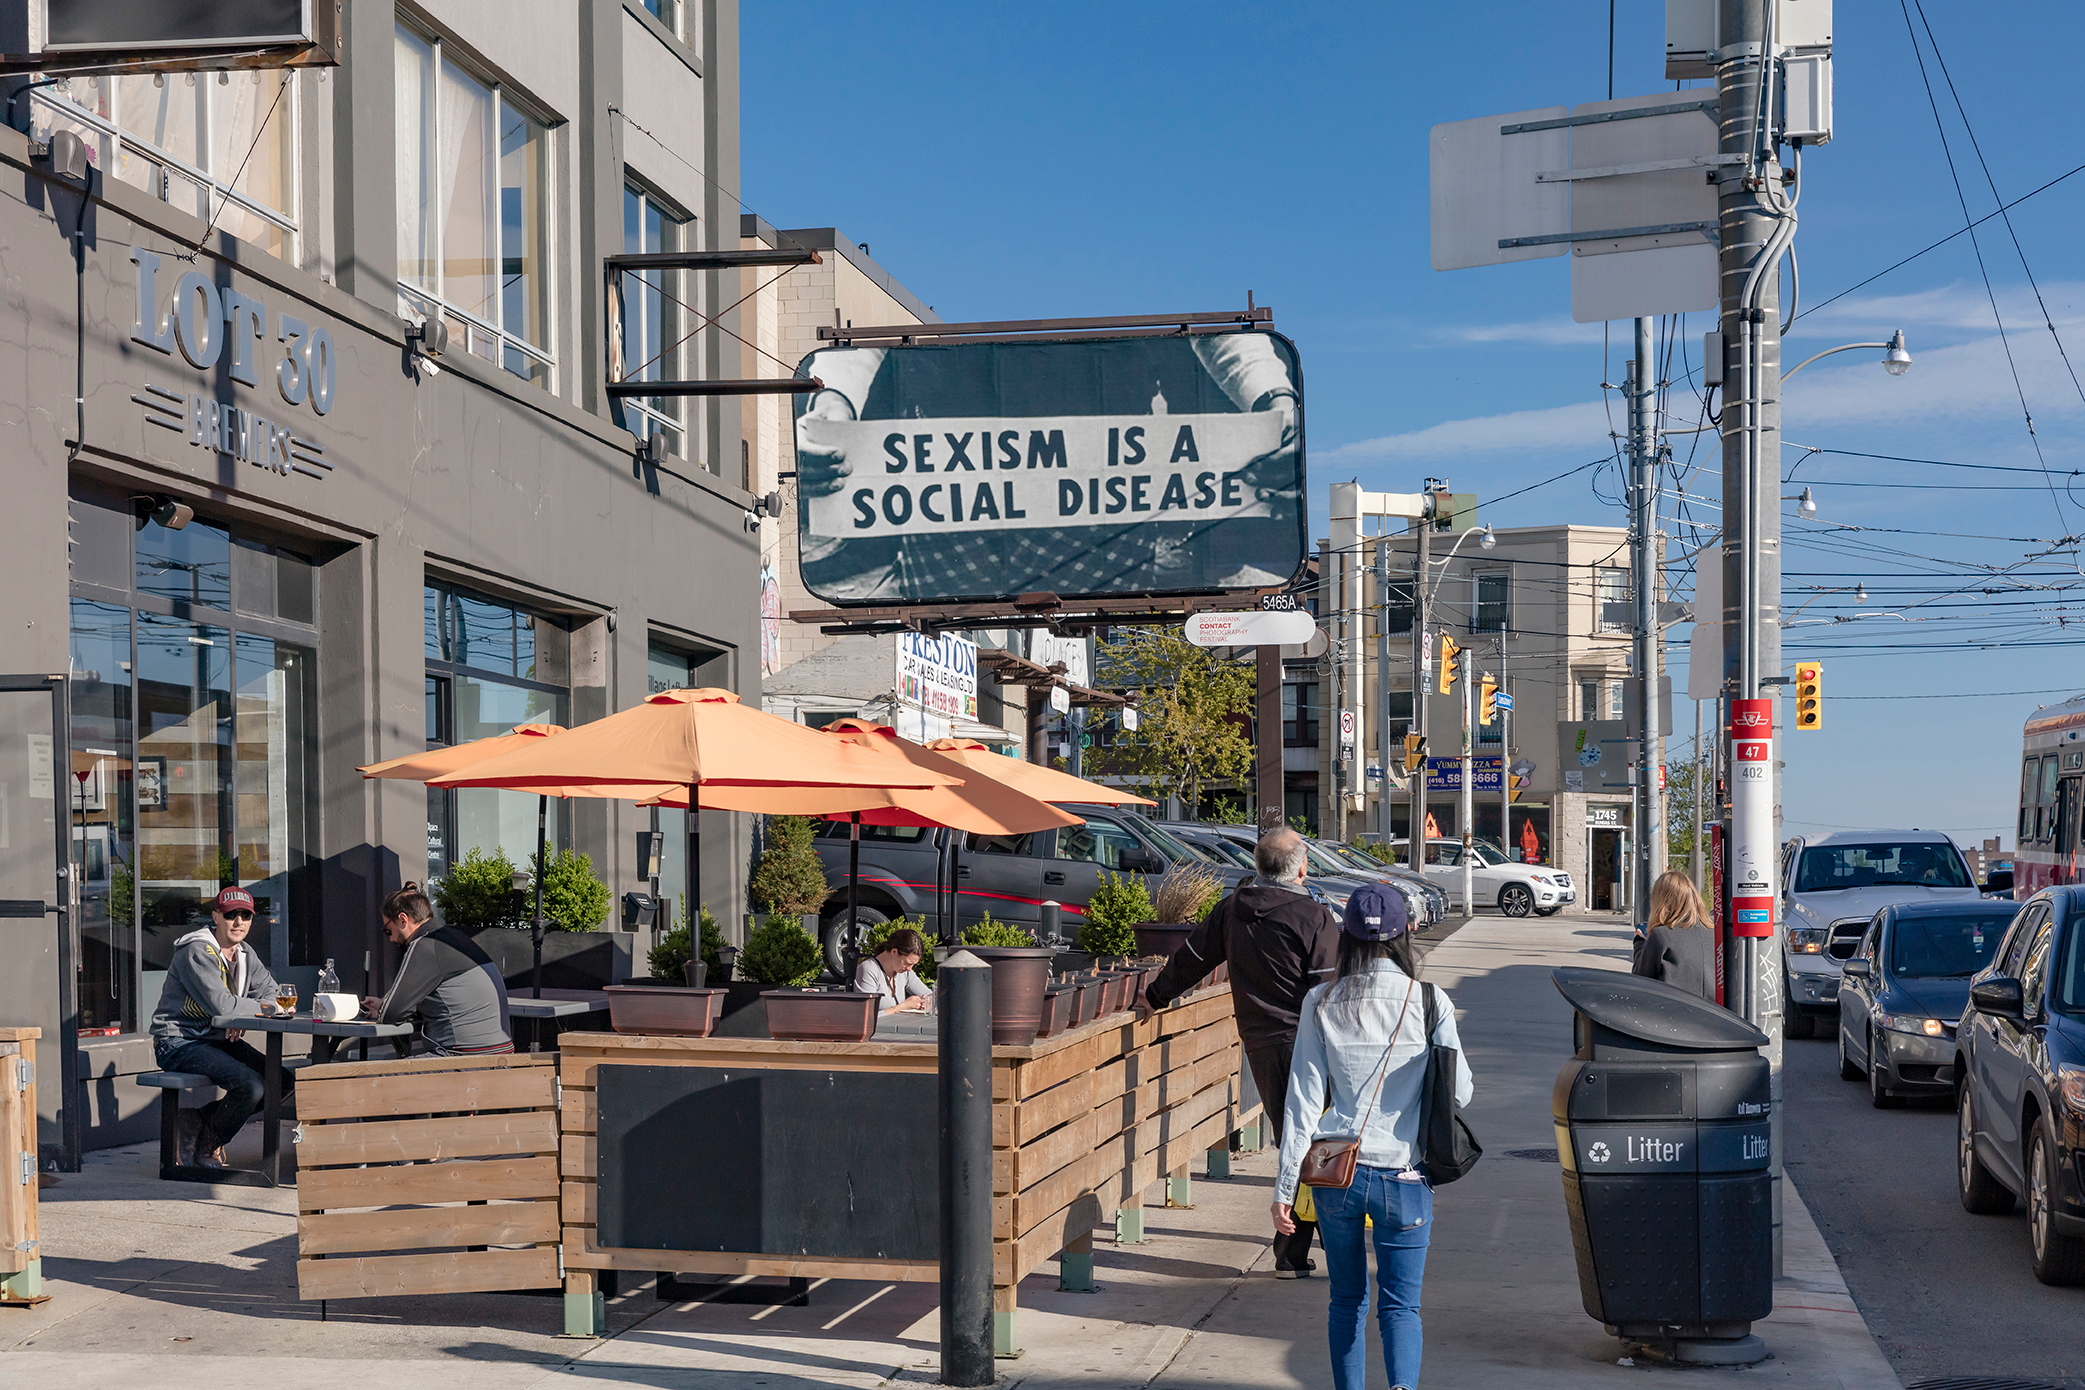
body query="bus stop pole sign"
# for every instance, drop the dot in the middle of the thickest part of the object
(1752, 817)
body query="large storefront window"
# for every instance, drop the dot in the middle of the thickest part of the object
(194, 725)
(490, 666)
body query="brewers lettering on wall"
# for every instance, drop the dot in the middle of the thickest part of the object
(981, 470)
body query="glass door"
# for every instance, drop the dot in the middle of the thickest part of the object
(37, 899)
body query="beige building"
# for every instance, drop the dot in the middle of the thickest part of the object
(1548, 611)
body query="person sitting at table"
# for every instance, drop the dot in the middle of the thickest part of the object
(446, 979)
(889, 975)
(214, 973)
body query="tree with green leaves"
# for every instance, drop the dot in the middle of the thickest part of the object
(1679, 815)
(790, 880)
(1192, 714)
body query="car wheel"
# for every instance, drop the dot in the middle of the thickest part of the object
(1799, 1022)
(1515, 900)
(1980, 1190)
(2058, 1258)
(1847, 1070)
(844, 941)
(1878, 1094)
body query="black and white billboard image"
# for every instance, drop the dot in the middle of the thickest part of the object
(938, 473)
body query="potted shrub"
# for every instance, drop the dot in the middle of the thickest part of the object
(1118, 904)
(1184, 897)
(674, 960)
(1020, 975)
(789, 881)
(783, 960)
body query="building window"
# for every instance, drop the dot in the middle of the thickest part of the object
(1397, 599)
(474, 211)
(219, 145)
(1611, 600)
(490, 666)
(1488, 602)
(668, 13)
(1588, 699)
(194, 728)
(1299, 715)
(1615, 695)
(652, 323)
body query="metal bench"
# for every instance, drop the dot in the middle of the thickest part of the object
(170, 1085)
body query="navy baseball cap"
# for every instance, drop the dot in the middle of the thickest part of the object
(1376, 912)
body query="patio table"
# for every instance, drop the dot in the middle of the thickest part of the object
(555, 1003)
(326, 1038)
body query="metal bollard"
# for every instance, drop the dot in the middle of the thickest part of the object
(1049, 931)
(963, 998)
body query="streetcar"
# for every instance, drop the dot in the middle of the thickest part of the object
(2052, 781)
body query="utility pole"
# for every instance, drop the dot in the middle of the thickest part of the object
(1469, 904)
(1422, 641)
(1335, 622)
(1383, 680)
(1701, 788)
(1505, 755)
(1756, 221)
(1643, 538)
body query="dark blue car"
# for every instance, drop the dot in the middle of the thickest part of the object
(1903, 990)
(2020, 1093)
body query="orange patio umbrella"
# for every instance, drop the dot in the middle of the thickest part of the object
(979, 805)
(436, 762)
(1042, 783)
(705, 748)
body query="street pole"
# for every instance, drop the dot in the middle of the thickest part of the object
(963, 1088)
(1505, 758)
(1335, 766)
(1756, 221)
(1701, 789)
(1469, 806)
(1422, 638)
(1383, 680)
(1643, 527)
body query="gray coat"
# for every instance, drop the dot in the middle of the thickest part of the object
(202, 983)
(1680, 956)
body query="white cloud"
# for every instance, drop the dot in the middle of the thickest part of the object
(1550, 332)
(1580, 427)
(1949, 310)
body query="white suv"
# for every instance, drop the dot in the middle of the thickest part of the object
(1516, 889)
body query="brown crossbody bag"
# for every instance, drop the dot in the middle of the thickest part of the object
(1330, 1162)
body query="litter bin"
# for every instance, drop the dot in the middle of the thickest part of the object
(1664, 1128)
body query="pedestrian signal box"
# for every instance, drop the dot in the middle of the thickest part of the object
(1414, 752)
(1809, 695)
(1450, 654)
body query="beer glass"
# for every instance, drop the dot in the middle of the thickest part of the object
(286, 998)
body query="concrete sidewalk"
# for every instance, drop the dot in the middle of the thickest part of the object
(192, 1288)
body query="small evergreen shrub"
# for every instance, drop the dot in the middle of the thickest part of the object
(779, 955)
(477, 892)
(790, 879)
(573, 899)
(1117, 905)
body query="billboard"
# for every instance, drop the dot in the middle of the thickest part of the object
(938, 674)
(973, 472)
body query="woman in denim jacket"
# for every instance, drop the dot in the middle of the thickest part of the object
(1360, 1060)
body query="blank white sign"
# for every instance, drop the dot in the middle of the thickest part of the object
(1484, 190)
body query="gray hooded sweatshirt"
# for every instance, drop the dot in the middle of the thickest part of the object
(202, 984)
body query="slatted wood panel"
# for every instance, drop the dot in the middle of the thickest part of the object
(1082, 1123)
(18, 1222)
(428, 1175)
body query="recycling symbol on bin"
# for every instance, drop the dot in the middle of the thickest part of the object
(1598, 1153)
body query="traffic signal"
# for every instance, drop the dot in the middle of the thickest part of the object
(1414, 752)
(1488, 700)
(1450, 654)
(1809, 695)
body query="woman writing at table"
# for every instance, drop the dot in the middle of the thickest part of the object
(889, 974)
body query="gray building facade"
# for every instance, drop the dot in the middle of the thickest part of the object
(383, 553)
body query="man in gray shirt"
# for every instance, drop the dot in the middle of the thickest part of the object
(214, 973)
(446, 979)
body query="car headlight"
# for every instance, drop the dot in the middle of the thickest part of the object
(2070, 1080)
(1806, 941)
(1915, 1024)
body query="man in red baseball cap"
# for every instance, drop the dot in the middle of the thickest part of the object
(214, 973)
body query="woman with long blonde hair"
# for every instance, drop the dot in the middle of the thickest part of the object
(1678, 945)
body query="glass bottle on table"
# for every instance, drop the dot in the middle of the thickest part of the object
(329, 983)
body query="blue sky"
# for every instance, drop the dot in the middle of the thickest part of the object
(1071, 159)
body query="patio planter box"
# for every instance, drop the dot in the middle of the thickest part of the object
(810, 1015)
(571, 959)
(663, 1010)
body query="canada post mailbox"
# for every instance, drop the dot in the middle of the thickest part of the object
(1664, 1129)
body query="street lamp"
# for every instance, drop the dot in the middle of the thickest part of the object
(1895, 360)
(1859, 592)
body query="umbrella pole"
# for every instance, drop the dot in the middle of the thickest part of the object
(536, 932)
(941, 873)
(854, 870)
(694, 874)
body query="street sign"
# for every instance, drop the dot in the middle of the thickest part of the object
(1752, 846)
(1281, 603)
(1251, 629)
(1060, 699)
(1346, 728)
(1503, 702)
(1129, 719)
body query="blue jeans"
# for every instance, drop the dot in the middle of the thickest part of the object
(1402, 1210)
(236, 1068)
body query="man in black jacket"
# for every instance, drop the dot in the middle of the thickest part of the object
(446, 979)
(1280, 944)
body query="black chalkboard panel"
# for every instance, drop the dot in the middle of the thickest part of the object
(842, 1165)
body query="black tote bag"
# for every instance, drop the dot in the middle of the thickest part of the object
(1446, 1145)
